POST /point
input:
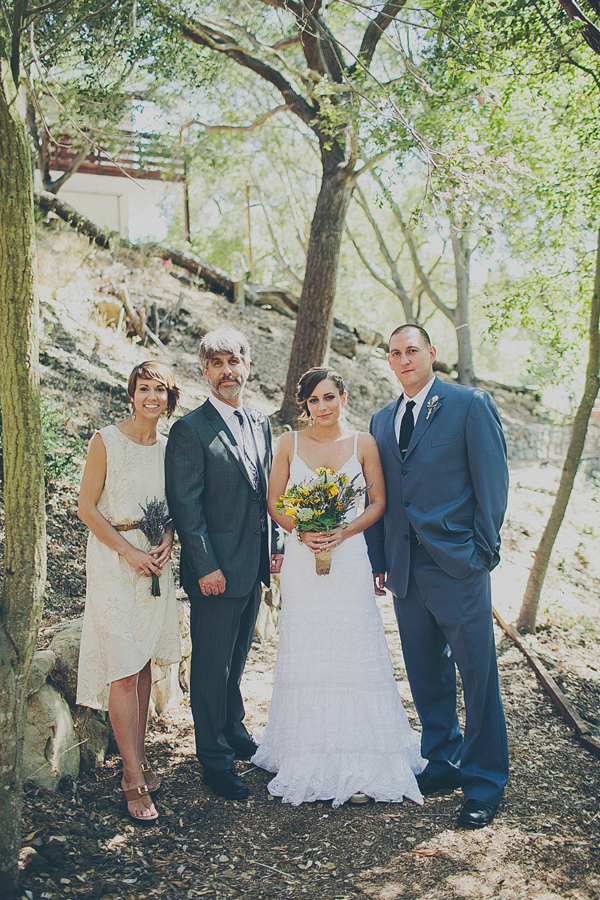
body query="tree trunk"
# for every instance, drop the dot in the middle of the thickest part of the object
(24, 550)
(315, 309)
(462, 257)
(537, 574)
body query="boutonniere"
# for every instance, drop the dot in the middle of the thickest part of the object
(431, 405)
(258, 417)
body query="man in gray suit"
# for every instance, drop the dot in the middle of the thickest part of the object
(444, 460)
(217, 466)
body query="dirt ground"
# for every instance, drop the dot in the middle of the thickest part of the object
(545, 841)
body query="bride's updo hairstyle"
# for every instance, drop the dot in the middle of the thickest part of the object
(308, 382)
(152, 369)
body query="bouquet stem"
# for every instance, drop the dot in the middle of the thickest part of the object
(155, 585)
(323, 562)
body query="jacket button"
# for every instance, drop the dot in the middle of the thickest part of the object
(255, 499)
(406, 503)
(404, 472)
(257, 531)
(405, 537)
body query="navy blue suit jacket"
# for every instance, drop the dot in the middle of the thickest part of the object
(452, 485)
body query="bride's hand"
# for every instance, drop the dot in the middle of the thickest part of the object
(319, 540)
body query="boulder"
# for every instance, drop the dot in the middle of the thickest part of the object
(166, 690)
(92, 726)
(344, 342)
(41, 666)
(65, 646)
(51, 744)
(368, 336)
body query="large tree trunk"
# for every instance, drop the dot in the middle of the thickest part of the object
(24, 550)
(537, 574)
(462, 259)
(315, 309)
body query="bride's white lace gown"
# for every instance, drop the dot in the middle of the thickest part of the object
(336, 724)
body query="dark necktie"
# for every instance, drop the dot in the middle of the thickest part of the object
(407, 426)
(248, 460)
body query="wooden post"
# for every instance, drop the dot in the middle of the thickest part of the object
(250, 261)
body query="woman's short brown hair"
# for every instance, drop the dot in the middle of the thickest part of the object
(151, 368)
(308, 382)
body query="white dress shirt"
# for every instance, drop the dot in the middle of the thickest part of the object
(418, 400)
(227, 413)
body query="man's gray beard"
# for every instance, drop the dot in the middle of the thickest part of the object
(229, 391)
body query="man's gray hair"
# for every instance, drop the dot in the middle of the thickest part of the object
(224, 340)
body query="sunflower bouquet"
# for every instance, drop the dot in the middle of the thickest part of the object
(320, 505)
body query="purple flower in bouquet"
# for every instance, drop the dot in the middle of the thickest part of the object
(156, 517)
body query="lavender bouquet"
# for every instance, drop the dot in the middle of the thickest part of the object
(156, 516)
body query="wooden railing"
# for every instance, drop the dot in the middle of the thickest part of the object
(132, 153)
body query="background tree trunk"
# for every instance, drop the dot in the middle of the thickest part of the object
(537, 574)
(315, 309)
(462, 261)
(24, 551)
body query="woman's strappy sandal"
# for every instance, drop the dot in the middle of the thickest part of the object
(148, 773)
(140, 793)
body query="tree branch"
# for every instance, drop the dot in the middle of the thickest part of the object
(407, 234)
(376, 28)
(210, 128)
(207, 36)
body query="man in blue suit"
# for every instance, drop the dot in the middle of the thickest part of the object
(444, 459)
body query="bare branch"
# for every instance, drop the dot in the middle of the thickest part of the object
(210, 128)
(404, 300)
(400, 290)
(412, 247)
(284, 262)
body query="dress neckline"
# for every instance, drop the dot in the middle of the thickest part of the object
(135, 443)
(340, 468)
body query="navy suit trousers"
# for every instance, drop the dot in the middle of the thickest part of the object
(446, 623)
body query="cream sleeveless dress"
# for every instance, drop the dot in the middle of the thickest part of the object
(123, 625)
(336, 723)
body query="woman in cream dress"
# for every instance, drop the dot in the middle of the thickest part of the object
(124, 626)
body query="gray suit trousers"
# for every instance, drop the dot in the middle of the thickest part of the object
(222, 629)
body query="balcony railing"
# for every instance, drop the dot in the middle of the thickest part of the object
(133, 153)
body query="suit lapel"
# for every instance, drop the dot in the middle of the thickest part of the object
(390, 428)
(426, 414)
(216, 422)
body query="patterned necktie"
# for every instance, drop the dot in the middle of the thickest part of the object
(407, 426)
(248, 460)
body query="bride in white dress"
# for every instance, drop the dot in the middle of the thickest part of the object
(337, 729)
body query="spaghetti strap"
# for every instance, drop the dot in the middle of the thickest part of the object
(295, 443)
(356, 434)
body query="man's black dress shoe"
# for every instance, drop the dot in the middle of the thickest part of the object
(226, 783)
(476, 814)
(245, 750)
(431, 784)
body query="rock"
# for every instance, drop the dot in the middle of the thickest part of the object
(368, 336)
(344, 342)
(266, 623)
(268, 613)
(183, 610)
(50, 745)
(65, 646)
(93, 730)
(41, 666)
(166, 690)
